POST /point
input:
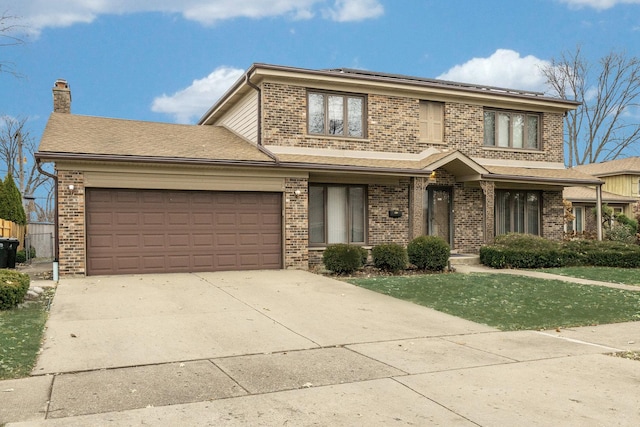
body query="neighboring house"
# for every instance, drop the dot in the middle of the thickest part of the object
(290, 160)
(621, 177)
(583, 203)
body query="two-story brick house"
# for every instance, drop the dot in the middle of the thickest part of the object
(290, 160)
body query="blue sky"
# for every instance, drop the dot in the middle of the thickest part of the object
(169, 60)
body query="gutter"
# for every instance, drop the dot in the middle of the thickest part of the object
(56, 236)
(569, 181)
(54, 156)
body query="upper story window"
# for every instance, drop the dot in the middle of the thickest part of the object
(511, 129)
(336, 114)
(431, 119)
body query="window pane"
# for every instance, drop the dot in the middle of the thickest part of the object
(489, 128)
(503, 130)
(532, 132)
(518, 213)
(356, 207)
(518, 130)
(503, 212)
(578, 213)
(354, 111)
(316, 113)
(337, 215)
(316, 214)
(336, 115)
(533, 213)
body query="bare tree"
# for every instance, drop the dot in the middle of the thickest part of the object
(8, 37)
(16, 151)
(607, 123)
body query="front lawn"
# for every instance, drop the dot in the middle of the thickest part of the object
(626, 276)
(21, 332)
(511, 302)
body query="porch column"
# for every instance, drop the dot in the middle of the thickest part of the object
(599, 210)
(416, 203)
(489, 188)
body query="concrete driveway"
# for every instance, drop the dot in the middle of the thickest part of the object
(291, 347)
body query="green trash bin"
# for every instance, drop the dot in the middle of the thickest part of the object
(12, 252)
(4, 252)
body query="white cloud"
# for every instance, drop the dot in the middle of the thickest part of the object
(39, 14)
(354, 10)
(504, 68)
(189, 104)
(598, 4)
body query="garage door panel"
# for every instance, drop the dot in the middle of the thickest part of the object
(127, 241)
(138, 231)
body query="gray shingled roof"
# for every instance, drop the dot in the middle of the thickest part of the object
(588, 194)
(630, 165)
(97, 138)
(91, 136)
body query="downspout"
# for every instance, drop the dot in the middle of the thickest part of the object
(56, 241)
(599, 210)
(251, 84)
(259, 130)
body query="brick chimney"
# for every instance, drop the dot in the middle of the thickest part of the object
(61, 97)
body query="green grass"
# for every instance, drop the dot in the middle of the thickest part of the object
(21, 332)
(626, 276)
(511, 302)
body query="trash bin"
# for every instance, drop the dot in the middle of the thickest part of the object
(12, 252)
(4, 252)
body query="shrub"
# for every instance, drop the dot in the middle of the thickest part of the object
(21, 255)
(514, 250)
(342, 258)
(535, 252)
(13, 288)
(625, 220)
(364, 255)
(390, 257)
(621, 233)
(428, 253)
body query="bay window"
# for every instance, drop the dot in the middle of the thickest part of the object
(517, 212)
(337, 214)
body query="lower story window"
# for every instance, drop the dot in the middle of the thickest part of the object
(337, 214)
(517, 212)
(577, 225)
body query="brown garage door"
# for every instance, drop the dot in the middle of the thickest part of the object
(155, 231)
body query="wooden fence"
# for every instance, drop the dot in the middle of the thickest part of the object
(10, 229)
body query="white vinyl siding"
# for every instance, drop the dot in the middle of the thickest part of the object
(243, 117)
(431, 117)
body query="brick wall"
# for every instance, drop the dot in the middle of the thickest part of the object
(296, 223)
(71, 223)
(382, 199)
(552, 215)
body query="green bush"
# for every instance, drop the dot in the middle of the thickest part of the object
(21, 255)
(625, 220)
(621, 233)
(536, 252)
(342, 258)
(364, 255)
(429, 253)
(13, 288)
(390, 257)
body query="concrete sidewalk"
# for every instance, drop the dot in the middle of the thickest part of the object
(290, 347)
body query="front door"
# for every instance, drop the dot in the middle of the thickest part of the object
(437, 213)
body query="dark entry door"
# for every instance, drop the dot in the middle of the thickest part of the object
(438, 213)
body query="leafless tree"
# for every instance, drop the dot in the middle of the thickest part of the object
(607, 123)
(9, 30)
(16, 151)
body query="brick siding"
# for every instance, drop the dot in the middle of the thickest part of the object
(71, 223)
